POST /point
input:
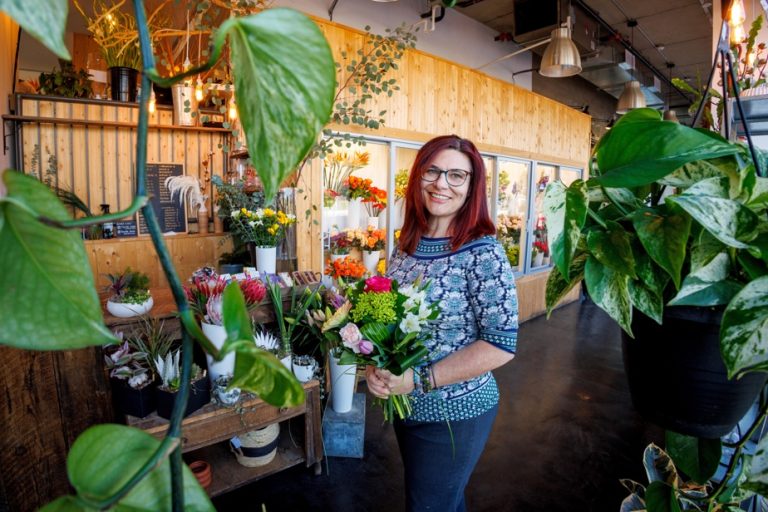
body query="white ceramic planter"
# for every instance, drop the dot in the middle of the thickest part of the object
(354, 210)
(342, 385)
(373, 222)
(335, 257)
(538, 260)
(125, 310)
(371, 260)
(226, 367)
(304, 372)
(287, 362)
(266, 259)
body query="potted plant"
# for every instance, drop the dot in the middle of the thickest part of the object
(671, 239)
(169, 373)
(130, 294)
(66, 82)
(262, 230)
(131, 378)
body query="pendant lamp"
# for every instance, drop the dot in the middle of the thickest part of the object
(561, 58)
(631, 97)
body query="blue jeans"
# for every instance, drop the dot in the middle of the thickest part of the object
(438, 462)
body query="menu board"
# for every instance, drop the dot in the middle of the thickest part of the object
(171, 215)
(125, 228)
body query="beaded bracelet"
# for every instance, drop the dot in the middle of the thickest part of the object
(417, 382)
(426, 381)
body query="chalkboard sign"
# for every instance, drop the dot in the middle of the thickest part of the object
(125, 228)
(171, 215)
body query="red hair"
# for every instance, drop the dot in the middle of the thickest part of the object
(472, 220)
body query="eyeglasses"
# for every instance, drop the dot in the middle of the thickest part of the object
(454, 177)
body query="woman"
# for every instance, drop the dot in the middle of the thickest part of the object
(447, 239)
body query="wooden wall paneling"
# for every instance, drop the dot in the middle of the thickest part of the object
(85, 398)
(153, 146)
(80, 155)
(62, 149)
(111, 164)
(95, 162)
(125, 157)
(33, 449)
(47, 138)
(309, 254)
(531, 295)
(29, 137)
(465, 113)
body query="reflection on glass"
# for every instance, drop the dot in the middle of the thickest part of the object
(512, 208)
(404, 161)
(568, 176)
(543, 175)
(490, 168)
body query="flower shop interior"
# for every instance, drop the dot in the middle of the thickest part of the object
(567, 432)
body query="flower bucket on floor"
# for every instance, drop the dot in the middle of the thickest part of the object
(343, 379)
(257, 447)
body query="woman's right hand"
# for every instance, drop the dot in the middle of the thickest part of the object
(376, 385)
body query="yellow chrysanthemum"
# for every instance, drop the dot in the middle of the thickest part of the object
(381, 267)
(269, 212)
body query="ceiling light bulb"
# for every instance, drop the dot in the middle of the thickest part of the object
(232, 109)
(199, 90)
(737, 15)
(737, 34)
(152, 102)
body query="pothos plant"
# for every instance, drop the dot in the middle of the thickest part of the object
(44, 260)
(673, 216)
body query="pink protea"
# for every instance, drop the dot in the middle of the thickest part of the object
(253, 290)
(214, 309)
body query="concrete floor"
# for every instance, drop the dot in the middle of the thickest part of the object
(565, 434)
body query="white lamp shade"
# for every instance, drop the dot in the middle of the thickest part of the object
(561, 58)
(631, 97)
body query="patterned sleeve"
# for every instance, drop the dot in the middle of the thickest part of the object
(493, 296)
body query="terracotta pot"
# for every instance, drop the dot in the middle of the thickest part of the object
(203, 473)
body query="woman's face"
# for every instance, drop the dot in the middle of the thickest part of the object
(444, 196)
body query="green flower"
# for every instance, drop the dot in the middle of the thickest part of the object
(377, 307)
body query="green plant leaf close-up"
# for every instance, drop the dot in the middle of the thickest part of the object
(45, 20)
(644, 149)
(611, 247)
(696, 457)
(49, 299)
(610, 291)
(708, 285)
(237, 322)
(757, 476)
(105, 457)
(726, 219)
(744, 329)
(260, 372)
(664, 234)
(284, 84)
(566, 212)
(660, 497)
(557, 286)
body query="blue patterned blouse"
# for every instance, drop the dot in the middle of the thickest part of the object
(478, 301)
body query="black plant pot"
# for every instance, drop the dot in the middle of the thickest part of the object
(199, 395)
(676, 375)
(163, 95)
(122, 83)
(135, 402)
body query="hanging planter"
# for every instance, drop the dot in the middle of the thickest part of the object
(676, 374)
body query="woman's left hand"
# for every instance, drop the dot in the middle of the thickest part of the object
(397, 384)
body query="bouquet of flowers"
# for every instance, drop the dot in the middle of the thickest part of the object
(376, 202)
(509, 227)
(382, 325)
(345, 268)
(541, 246)
(371, 239)
(358, 188)
(264, 227)
(338, 167)
(341, 242)
(401, 183)
(205, 294)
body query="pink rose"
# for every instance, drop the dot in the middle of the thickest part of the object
(351, 336)
(378, 284)
(365, 347)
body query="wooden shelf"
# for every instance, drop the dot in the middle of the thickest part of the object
(228, 474)
(206, 434)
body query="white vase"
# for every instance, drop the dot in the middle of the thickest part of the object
(335, 257)
(538, 260)
(266, 259)
(373, 222)
(226, 367)
(304, 372)
(354, 209)
(287, 362)
(371, 260)
(126, 310)
(343, 378)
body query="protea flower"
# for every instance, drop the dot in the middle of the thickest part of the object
(214, 309)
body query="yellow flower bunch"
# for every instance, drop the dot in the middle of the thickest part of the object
(265, 227)
(401, 183)
(338, 167)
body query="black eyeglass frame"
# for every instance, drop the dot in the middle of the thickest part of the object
(445, 172)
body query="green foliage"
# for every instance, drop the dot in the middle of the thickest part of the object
(47, 293)
(699, 246)
(66, 82)
(105, 457)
